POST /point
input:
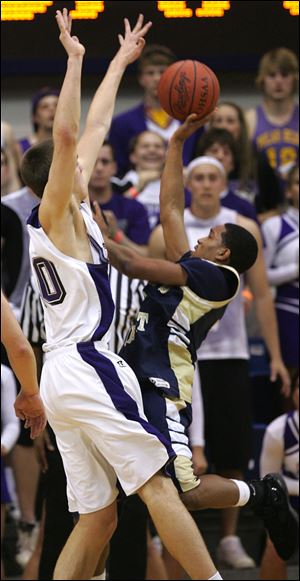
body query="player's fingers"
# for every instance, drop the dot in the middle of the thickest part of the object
(145, 29)
(121, 39)
(69, 22)
(127, 26)
(60, 20)
(139, 23)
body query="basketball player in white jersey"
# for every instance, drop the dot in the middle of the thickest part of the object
(92, 397)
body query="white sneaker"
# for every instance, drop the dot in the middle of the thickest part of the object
(231, 552)
(27, 539)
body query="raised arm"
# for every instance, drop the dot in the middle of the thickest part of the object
(58, 191)
(102, 107)
(172, 190)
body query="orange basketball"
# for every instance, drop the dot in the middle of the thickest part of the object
(188, 87)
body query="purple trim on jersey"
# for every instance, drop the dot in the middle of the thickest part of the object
(5, 496)
(288, 326)
(99, 275)
(286, 229)
(33, 219)
(122, 401)
(24, 144)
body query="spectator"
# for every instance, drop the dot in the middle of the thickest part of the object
(280, 453)
(147, 156)
(274, 124)
(128, 218)
(148, 115)
(7, 145)
(10, 428)
(219, 143)
(281, 235)
(43, 107)
(253, 176)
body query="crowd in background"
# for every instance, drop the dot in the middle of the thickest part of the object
(241, 378)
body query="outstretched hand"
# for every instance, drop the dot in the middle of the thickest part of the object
(70, 43)
(190, 125)
(133, 42)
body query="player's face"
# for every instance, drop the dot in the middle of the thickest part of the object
(206, 184)
(104, 169)
(210, 246)
(149, 78)
(223, 154)
(226, 117)
(293, 192)
(45, 112)
(279, 85)
(149, 152)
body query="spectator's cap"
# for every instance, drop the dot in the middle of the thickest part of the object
(44, 92)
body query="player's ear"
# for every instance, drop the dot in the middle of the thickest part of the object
(223, 254)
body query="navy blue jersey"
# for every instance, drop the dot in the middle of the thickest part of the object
(173, 322)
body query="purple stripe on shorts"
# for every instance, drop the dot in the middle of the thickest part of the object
(122, 401)
(99, 275)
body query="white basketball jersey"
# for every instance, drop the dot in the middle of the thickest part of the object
(227, 339)
(76, 296)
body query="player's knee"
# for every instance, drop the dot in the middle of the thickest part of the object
(193, 500)
(158, 487)
(99, 525)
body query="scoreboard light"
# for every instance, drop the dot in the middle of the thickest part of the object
(23, 10)
(90, 10)
(175, 9)
(293, 7)
(210, 9)
(87, 10)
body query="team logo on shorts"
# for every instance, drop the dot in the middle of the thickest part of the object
(121, 363)
(158, 382)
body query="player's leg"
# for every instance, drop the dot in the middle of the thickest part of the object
(80, 555)
(176, 527)
(271, 566)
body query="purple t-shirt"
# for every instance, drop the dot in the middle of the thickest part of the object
(132, 217)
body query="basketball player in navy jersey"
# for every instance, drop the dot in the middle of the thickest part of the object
(173, 320)
(92, 397)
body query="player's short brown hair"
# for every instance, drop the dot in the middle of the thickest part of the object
(35, 166)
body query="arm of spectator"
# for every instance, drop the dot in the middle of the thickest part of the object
(251, 120)
(196, 429)
(10, 424)
(279, 274)
(42, 445)
(9, 145)
(265, 311)
(116, 234)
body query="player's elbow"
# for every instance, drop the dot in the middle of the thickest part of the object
(21, 350)
(66, 136)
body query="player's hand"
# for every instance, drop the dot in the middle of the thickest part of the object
(31, 409)
(278, 370)
(133, 42)
(70, 43)
(189, 126)
(42, 444)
